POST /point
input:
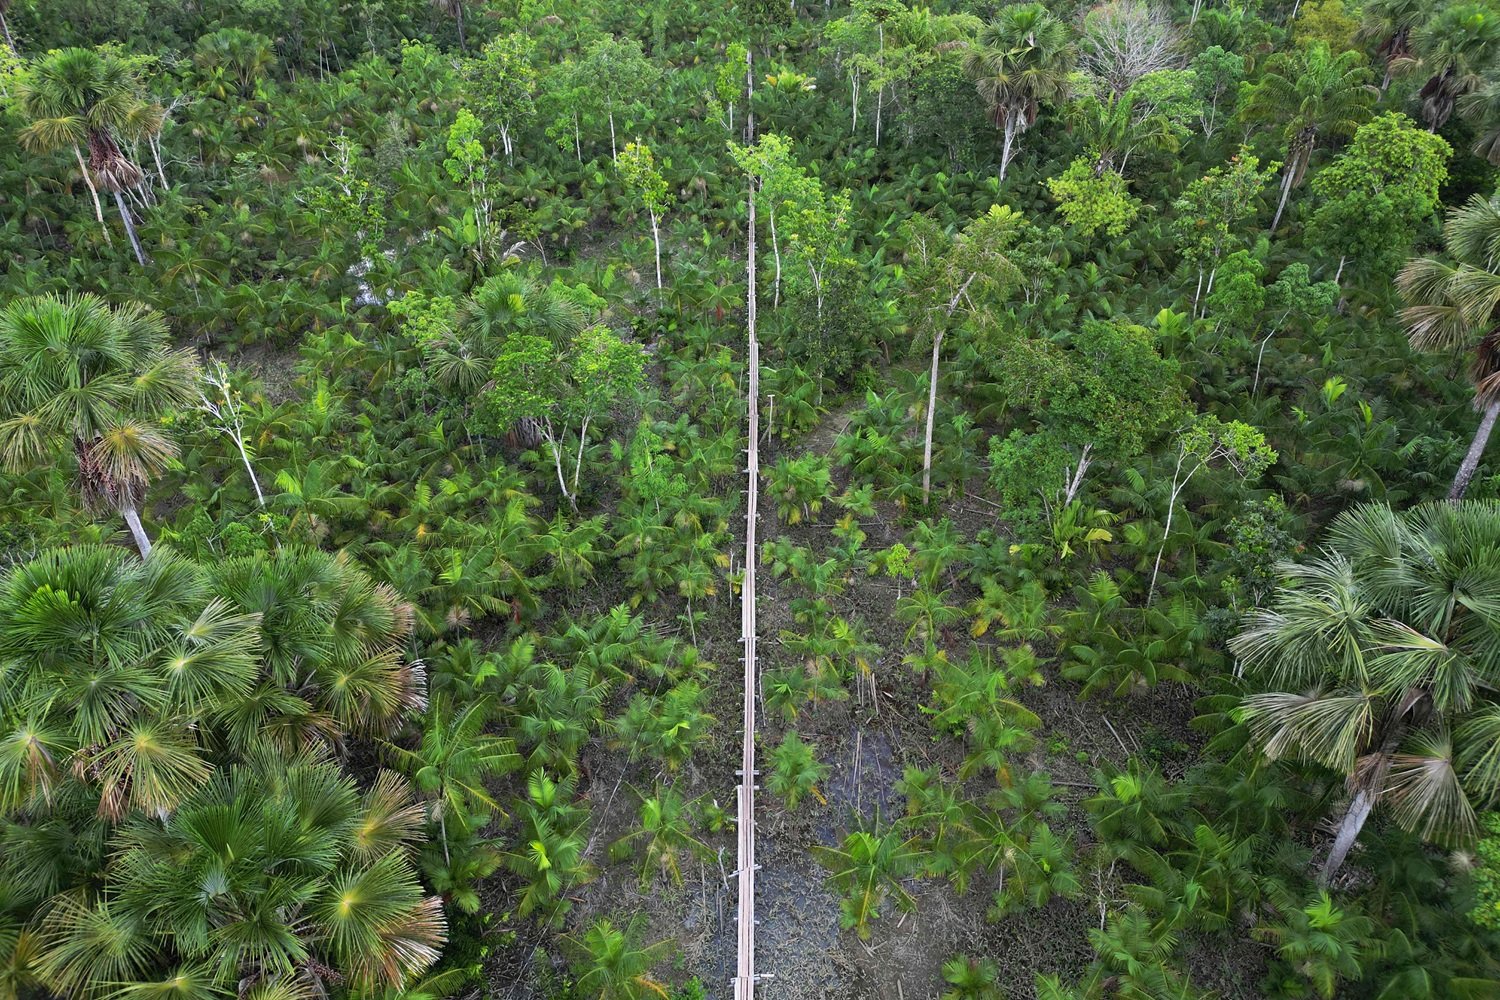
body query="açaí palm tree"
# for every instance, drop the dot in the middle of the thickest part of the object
(80, 377)
(1383, 654)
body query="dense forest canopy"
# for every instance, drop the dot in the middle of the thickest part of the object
(373, 433)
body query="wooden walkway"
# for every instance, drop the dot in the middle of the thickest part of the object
(745, 976)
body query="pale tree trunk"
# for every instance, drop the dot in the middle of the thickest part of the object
(1286, 191)
(1349, 827)
(254, 480)
(656, 239)
(583, 437)
(137, 531)
(5, 27)
(93, 193)
(776, 253)
(613, 153)
(937, 345)
(135, 243)
(1008, 143)
(557, 462)
(458, 14)
(1476, 452)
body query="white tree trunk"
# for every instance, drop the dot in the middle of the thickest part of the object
(656, 239)
(93, 193)
(937, 345)
(133, 521)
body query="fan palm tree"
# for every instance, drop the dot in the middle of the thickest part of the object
(1020, 62)
(1386, 651)
(1453, 307)
(277, 871)
(334, 649)
(114, 668)
(77, 375)
(1456, 47)
(88, 98)
(1315, 96)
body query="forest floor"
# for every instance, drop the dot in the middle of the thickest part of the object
(866, 747)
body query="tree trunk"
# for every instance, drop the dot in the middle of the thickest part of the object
(133, 520)
(656, 239)
(937, 344)
(583, 437)
(1007, 144)
(458, 15)
(1286, 191)
(93, 193)
(776, 253)
(239, 442)
(613, 153)
(135, 243)
(1349, 827)
(5, 27)
(1476, 451)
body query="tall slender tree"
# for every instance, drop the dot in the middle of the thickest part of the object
(1315, 97)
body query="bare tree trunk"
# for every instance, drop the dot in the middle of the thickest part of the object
(5, 27)
(133, 521)
(1286, 191)
(583, 436)
(135, 243)
(93, 193)
(613, 153)
(458, 14)
(1476, 452)
(1007, 145)
(937, 345)
(776, 253)
(1349, 827)
(656, 239)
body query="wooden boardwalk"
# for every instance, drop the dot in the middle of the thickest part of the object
(744, 980)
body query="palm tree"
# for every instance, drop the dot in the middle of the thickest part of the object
(309, 880)
(611, 964)
(1452, 307)
(1389, 24)
(666, 826)
(455, 10)
(970, 978)
(79, 376)
(1020, 62)
(550, 843)
(334, 643)
(1315, 96)
(76, 98)
(1386, 648)
(1457, 46)
(868, 869)
(113, 685)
